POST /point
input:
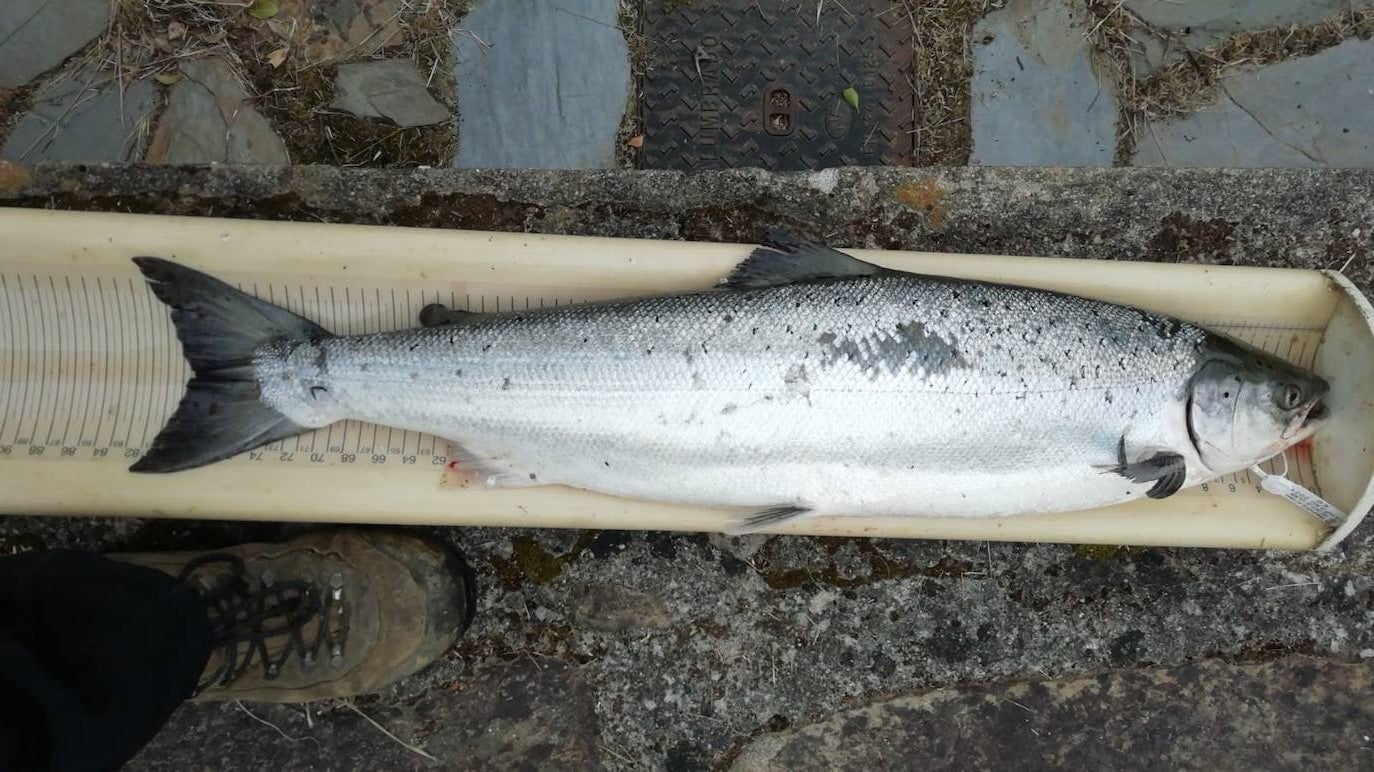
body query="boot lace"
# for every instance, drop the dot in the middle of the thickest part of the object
(244, 619)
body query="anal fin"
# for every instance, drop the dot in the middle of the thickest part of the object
(471, 469)
(766, 517)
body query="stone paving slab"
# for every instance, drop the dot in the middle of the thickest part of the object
(1292, 713)
(209, 118)
(1307, 112)
(1196, 24)
(1037, 99)
(391, 89)
(78, 118)
(541, 84)
(37, 35)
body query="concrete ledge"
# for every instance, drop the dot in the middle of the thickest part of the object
(1313, 218)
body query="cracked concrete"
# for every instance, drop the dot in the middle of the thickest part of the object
(600, 649)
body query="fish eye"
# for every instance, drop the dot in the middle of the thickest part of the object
(1289, 397)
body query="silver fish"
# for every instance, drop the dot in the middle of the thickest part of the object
(808, 382)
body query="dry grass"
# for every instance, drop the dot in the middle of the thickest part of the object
(632, 122)
(1192, 83)
(944, 67)
(1195, 81)
(296, 99)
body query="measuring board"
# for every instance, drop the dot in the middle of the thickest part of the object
(90, 369)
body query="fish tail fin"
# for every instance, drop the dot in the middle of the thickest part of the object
(220, 329)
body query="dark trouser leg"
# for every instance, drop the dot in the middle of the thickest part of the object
(94, 656)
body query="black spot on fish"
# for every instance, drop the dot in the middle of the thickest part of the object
(458, 372)
(729, 408)
(505, 385)
(533, 476)
(607, 463)
(1108, 396)
(414, 346)
(318, 391)
(487, 347)
(727, 318)
(364, 367)
(648, 351)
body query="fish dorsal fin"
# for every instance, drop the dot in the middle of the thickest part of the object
(784, 258)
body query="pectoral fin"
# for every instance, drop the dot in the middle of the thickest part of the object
(764, 518)
(1165, 469)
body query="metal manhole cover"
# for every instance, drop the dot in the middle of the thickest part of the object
(733, 83)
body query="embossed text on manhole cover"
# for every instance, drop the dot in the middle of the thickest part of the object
(766, 83)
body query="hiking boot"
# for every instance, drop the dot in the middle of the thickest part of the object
(329, 614)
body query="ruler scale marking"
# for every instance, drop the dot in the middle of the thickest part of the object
(79, 350)
(10, 378)
(57, 380)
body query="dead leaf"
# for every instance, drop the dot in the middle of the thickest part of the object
(167, 78)
(176, 31)
(284, 28)
(278, 57)
(636, 141)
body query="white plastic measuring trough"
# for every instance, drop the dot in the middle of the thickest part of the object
(90, 368)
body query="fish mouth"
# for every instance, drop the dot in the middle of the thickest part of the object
(1316, 413)
(1306, 422)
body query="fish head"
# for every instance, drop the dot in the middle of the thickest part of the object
(1246, 405)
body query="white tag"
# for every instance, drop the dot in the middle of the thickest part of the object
(1313, 504)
